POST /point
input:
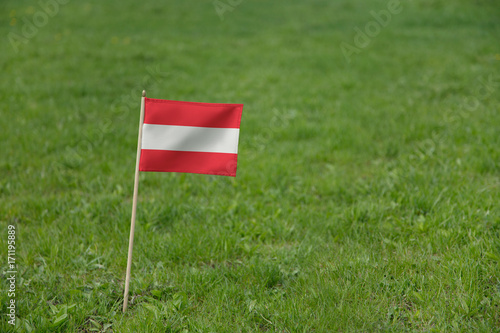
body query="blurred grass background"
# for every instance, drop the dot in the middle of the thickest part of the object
(367, 189)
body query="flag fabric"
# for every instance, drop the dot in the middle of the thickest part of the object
(190, 137)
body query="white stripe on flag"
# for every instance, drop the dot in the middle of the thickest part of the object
(190, 138)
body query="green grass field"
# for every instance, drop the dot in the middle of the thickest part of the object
(368, 187)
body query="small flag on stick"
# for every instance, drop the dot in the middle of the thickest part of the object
(190, 137)
(184, 137)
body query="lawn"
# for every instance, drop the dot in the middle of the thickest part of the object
(368, 185)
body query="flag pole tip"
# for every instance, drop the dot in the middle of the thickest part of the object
(144, 93)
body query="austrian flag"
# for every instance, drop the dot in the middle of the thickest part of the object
(190, 137)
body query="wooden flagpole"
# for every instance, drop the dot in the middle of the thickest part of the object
(134, 205)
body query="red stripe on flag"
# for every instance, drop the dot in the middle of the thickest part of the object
(221, 164)
(165, 112)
